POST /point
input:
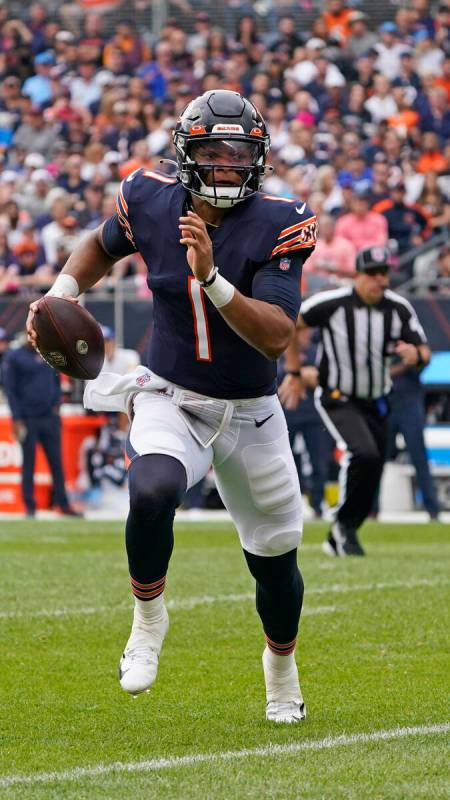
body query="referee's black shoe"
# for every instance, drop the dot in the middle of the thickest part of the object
(342, 541)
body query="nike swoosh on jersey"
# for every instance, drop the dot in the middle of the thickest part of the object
(301, 209)
(259, 422)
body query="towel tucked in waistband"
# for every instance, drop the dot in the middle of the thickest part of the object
(206, 417)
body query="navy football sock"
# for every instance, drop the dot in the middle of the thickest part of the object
(157, 484)
(279, 598)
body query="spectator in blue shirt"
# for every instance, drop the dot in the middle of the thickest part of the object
(39, 86)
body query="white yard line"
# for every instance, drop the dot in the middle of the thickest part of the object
(268, 751)
(203, 600)
(369, 587)
(172, 605)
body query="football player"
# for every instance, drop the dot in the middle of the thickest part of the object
(224, 266)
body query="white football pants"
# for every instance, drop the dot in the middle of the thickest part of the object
(254, 468)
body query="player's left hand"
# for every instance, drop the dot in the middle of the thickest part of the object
(199, 246)
(408, 353)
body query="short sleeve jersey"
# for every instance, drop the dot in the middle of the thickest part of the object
(260, 247)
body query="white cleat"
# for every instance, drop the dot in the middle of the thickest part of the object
(139, 664)
(138, 669)
(294, 711)
(284, 698)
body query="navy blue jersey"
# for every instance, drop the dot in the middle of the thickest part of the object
(259, 247)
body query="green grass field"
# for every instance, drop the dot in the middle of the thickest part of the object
(372, 657)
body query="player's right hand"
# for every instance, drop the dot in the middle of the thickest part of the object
(29, 325)
(195, 237)
(290, 391)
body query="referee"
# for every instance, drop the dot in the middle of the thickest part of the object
(362, 328)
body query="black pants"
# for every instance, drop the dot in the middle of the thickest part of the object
(47, 432)
(362, 428)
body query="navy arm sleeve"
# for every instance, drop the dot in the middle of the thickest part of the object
(278, 282)
(115, 242)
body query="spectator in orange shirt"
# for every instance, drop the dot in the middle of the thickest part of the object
(406, 117)
(444, 80)
(431, 160)
(362, 227)
(27, 270)
(336, 18)
(134, 50)
(99, 6)
(141, 158)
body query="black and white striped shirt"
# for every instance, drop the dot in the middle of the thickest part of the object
(358, 341)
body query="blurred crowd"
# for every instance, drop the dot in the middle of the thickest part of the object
(358, 114)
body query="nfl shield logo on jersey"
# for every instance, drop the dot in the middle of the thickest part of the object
(285, 263)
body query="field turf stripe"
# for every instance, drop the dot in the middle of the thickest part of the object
(330, 742)
(192, 602)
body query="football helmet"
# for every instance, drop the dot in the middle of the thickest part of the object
(221, 143)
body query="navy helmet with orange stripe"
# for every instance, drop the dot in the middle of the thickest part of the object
(221, 142)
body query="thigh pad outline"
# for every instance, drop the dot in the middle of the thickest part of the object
(273, 487)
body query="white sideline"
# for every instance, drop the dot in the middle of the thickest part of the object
(192, 602)
(201, 515)
(269, 750)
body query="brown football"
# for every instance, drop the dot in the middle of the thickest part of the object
(69, 338)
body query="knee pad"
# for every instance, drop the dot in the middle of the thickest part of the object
(273, 539)
(156, 483)
(274, 487)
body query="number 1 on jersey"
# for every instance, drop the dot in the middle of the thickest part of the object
(201, 329)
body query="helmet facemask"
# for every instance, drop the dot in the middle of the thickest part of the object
(222, 171)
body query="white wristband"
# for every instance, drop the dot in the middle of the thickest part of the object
(65, 286)
(220, 292)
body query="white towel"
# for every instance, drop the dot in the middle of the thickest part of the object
(113, 392)
(206, 417)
